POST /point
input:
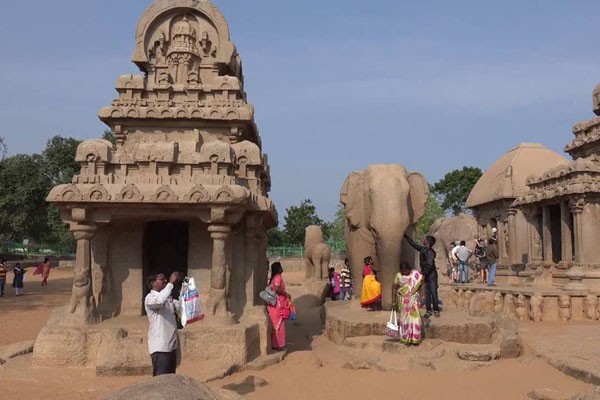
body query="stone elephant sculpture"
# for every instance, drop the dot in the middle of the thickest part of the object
(317, 253)
(382, 203)
(446, 230)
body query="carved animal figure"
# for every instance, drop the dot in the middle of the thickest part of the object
(498, 302)
(382, 203)
(451, 229)
(317, 253)
(590, 307)
(536, 307)
(521, 308)
(564, 307)
(460, 299)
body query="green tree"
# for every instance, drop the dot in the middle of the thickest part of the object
(59, 159)
(276, 237)
(298, 218)
(455, 187)
(108, 135)
(3, 148)
(433, 211)
(23, 197)
(338, 225)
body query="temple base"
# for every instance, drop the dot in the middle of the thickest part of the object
(119, 346)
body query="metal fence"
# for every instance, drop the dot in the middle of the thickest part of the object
(337, 250)
(11, 247)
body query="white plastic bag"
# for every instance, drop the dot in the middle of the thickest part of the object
(191, 306)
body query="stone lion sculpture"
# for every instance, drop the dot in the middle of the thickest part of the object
(317, 253)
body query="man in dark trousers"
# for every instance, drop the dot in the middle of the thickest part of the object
(162, 332)
(429, 271)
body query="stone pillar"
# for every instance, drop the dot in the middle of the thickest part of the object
(566, 231)
(577, 210)
(251, 264)
(218, 272)
(81, 296)
(546, 234)
(512, 236)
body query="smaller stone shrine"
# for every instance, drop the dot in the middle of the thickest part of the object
(492, 200)
(185, 188)
(563, 210)
(550, 260)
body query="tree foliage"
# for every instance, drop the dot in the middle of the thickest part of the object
(454, 188)
(276, 237)
(338, 226)
(108, 135)
(3, 148)
(298, 218)
(433, 211)
(25, 181)
(23, 197)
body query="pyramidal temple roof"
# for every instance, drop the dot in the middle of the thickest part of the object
(506, 178)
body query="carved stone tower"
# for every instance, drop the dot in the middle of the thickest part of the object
(186, 185)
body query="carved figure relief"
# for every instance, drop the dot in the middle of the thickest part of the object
(564, 307)
(509, 305)
(536, 307)
(498, 302)
(521, 308)
(590, 307)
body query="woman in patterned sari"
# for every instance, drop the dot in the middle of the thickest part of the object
(406, 294)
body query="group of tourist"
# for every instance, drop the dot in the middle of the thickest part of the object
(19, 275)
(486, 258)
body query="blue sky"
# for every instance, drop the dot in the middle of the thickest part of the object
(336, 85)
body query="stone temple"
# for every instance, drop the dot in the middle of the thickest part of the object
(185, 188)
(547, 212)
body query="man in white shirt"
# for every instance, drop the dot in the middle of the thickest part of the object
(462, 254)
(162, 332)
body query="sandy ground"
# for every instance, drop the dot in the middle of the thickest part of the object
(312, 370)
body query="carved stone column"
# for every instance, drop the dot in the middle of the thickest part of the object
(546, 234)
(251, 260)
(566, 231)
(81, 295)
(577, 210)
(218, 273)
(512, 236)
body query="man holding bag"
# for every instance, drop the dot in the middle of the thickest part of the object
(162, 332)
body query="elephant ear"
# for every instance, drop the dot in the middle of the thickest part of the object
(352, 197)
(419, 193)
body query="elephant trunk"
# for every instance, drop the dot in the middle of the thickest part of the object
(389, 252)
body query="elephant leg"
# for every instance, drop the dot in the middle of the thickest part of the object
(325, 259)
(309, 269)
(358, 249)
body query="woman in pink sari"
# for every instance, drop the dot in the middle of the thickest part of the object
(276, 312)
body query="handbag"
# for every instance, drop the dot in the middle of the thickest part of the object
(269, 296)
(392, 329)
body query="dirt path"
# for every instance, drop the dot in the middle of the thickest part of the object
(313, 369)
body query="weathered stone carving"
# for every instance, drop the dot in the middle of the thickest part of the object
(317, 253)
(509, 305)
(564, 307)
(591, 307)
(498, 302)
(536, 307)
(521, 308)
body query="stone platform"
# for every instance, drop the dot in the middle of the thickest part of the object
(524, 302)
(486, 337)
(119, 346)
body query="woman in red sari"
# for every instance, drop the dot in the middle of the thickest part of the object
(276, 312)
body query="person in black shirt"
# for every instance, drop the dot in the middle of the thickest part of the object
(429, 271)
